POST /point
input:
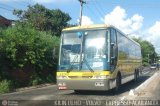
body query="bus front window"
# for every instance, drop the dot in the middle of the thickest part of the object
(94, 51)
(70, 51)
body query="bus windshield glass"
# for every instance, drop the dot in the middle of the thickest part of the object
(93, 54)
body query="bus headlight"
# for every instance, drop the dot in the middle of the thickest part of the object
(100, 77)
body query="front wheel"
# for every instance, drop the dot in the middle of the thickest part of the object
(118, 82)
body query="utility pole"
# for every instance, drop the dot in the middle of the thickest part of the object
(81, 9)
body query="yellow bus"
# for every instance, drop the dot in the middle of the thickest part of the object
(97, 57)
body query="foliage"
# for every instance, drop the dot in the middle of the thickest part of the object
(50, 78)
(35, 80)
(44, 19)
(5, 86)
(148, 51)
(24, 48)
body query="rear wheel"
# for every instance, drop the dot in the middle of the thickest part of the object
(136, 75)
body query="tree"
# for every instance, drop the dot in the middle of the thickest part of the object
(44, 19)
(26, 49)
(148, 51)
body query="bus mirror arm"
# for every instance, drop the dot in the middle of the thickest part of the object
(112, 58)
(112, 44)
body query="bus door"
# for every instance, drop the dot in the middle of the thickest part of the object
(113, 49)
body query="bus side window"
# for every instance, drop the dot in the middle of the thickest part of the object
(113, 52)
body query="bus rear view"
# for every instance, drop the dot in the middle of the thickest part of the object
(87, 59)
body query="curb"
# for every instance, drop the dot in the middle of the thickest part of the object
(134, 92)
(34, 87)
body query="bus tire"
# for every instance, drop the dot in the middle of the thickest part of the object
(118, 82)
(136, 75)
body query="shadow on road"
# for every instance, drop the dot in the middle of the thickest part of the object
(124, 88)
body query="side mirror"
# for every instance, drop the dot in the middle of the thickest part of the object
(112, 58)
(112, 44)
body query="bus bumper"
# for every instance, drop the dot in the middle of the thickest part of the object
(95, 84)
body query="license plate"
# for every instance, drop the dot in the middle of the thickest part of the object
(62, 87)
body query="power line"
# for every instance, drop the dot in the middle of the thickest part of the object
(135, 5)
(27, 2)
(21, 3)
(98, 5)
(98, 8)
(102, 7)
(8, 6)
(89, 10)
(6, 9)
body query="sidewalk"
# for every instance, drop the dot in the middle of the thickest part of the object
(149, 89)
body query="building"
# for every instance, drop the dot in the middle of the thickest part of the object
(4, 22)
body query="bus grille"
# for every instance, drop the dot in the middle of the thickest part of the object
(77, 77)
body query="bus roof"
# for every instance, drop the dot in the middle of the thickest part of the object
(87, 27)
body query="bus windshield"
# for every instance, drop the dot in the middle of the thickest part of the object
(94, 53)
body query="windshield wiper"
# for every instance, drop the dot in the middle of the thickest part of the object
(89, 67)
(85, 61)
(71, 65)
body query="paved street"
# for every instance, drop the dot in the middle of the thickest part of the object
(41, 95)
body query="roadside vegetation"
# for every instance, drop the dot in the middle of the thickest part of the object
(27, 54)
(149, 54)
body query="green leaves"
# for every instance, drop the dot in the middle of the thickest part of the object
(23, 46)
(6, 86)
(44, 19)
(29, 46)
(148, 51)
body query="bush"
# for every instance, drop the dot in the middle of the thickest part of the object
(145, 64)
(6, 86)
(22, 47)
(35, 80)
(50, 78)
(25, 45)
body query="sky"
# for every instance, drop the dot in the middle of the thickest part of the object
(138, 18)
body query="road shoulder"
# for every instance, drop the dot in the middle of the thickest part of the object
(147, 89)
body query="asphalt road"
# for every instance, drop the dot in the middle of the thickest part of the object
(51, 96)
